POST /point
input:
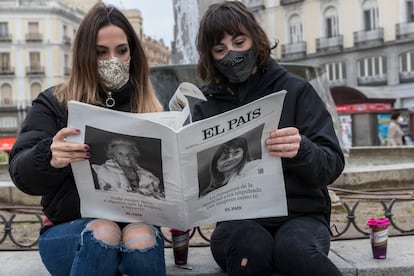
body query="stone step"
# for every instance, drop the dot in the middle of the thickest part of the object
(353, 257)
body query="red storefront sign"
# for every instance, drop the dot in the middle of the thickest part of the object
(363, 107)
(6, 143)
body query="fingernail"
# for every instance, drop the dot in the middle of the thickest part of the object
(77, 130)
(86, 147)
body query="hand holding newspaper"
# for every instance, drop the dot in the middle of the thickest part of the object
(149, 167)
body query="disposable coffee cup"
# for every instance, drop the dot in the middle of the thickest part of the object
(180, 242)
(379, 236)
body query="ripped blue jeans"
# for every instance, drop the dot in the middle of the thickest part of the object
(71, 249)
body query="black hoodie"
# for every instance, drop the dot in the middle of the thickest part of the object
(319, 160)
(29, 162)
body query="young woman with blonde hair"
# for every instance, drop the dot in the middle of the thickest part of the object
(109, 69)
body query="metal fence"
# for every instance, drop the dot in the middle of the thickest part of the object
(20, 225)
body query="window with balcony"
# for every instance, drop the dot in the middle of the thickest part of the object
(335, 73)
(34, 67)
(370, 14)
(295, 29)
(296, 47)
(5, 36)
(5, 67)
(5, 95)
(33, 34)
(371, 33)
(372, 70)
(331, 22)
(405, 29)
(406, 66)
(331, 40)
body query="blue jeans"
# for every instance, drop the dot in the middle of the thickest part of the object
(70, 249)
(298, 247)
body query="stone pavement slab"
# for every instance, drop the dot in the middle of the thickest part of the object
(357, 253)
(21, 263)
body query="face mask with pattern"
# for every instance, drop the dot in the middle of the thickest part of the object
(237, 66)
(113, 72)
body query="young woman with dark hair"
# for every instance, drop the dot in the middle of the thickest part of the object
(236, 65)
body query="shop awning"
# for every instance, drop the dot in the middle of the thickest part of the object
(343, 95)
(6, 143)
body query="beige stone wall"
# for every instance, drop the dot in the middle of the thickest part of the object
(83, 5)
(157, 52)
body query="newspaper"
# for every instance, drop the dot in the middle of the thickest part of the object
(179, 100)
(168, 178)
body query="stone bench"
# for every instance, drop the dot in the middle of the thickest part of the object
(353, 257)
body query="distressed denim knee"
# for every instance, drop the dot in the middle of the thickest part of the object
(142, 251)
(108, 232)
(95, 247)
(71, 249)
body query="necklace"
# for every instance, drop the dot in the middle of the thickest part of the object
(110, 102)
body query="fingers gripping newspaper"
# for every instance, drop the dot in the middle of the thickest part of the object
(163, 170)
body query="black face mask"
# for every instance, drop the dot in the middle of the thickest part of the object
(237, 66)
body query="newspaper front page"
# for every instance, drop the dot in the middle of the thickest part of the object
(149, 167)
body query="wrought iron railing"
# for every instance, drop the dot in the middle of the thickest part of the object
(351, 220)
(348, 223)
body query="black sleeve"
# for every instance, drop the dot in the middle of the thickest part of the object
(29, 162)
(320, 159)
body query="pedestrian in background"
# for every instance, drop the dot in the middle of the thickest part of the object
(395, 133)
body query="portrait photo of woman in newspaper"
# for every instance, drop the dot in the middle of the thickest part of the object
(231, 161)
(122, 173)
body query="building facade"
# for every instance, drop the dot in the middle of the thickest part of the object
(35, 45)
(157, 52)
(366, 48)
(358, 42)
(35, 52)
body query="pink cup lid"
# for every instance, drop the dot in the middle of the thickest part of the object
(378, 222)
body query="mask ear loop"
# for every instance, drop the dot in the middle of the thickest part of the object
(110, 102)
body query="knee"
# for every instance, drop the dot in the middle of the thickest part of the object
(139, 236)
(106, 231)
(255, 240)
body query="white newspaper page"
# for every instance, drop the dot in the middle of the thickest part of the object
(257, 188)
(179, 100)
(147, 167)
(133, 173)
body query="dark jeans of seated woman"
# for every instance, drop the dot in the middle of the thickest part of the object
(298, 247)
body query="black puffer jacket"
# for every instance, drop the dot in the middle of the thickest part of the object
(30, 156)
(320, 159)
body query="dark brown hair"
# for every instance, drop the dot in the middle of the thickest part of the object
(395, 115)
(232, 18)
(84, 82)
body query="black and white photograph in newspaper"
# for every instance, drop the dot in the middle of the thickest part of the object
(232, 160)
(123, 163)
